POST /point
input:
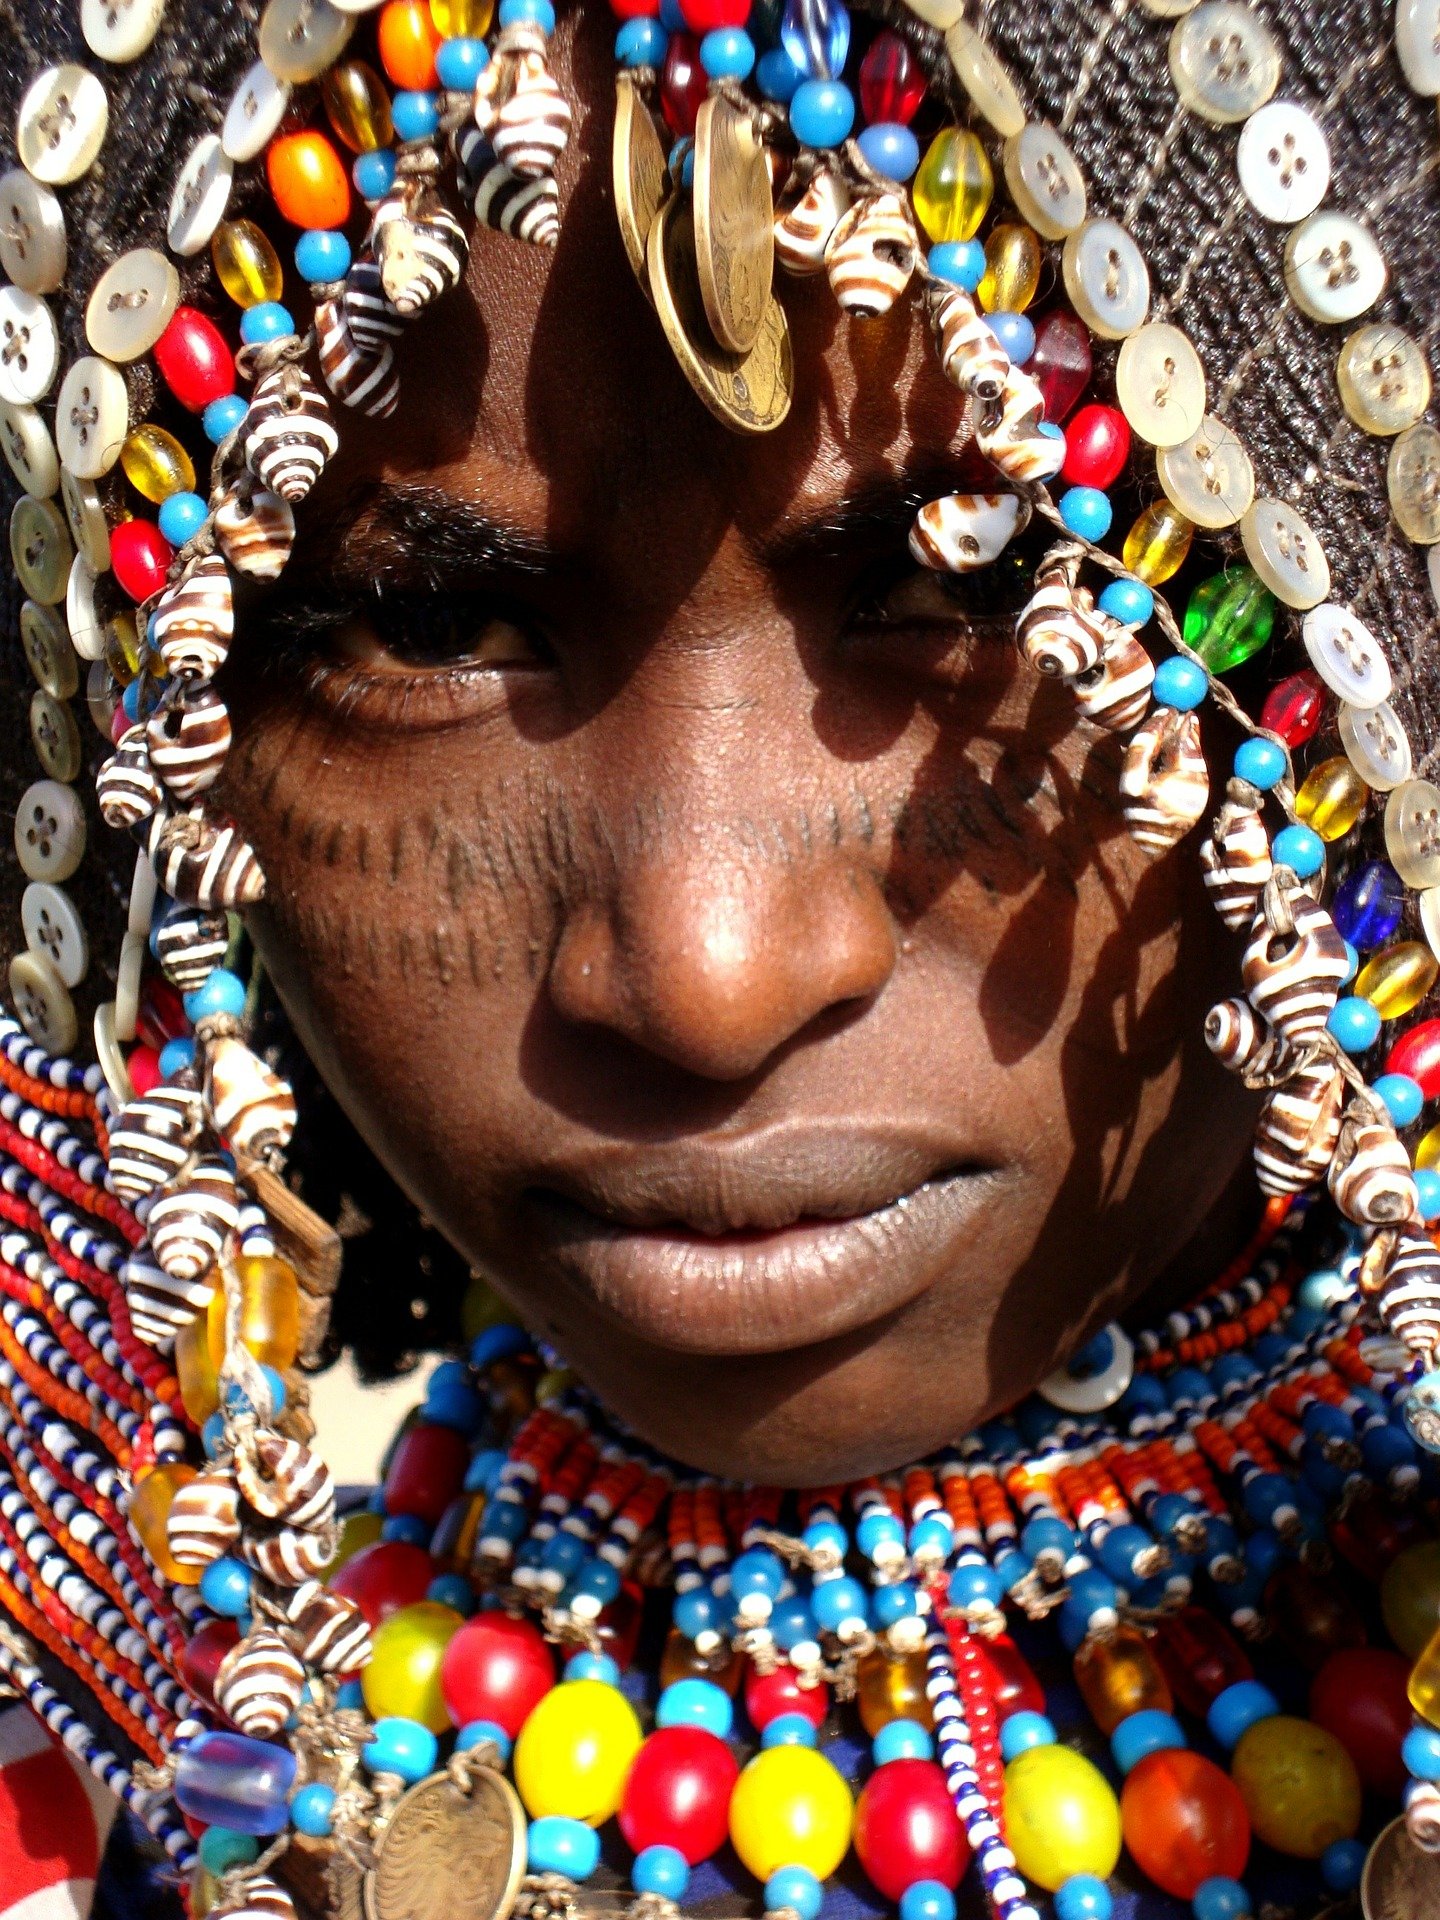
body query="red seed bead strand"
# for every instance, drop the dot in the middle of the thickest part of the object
(975, 1688)
(63, 1400)
(28, 1293)
(44, 1165)
(63, 1645)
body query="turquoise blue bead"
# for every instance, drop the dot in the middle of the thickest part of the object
(961, 262)
(794, 1887)
(973, 1582)
(225, 1587)
(1298, 848)
(267, 320)
(556, 1844)
(1341, 1865)
(400, 1746)
(904, 1740)
(222, 1848)
(350, 1695)
(321, 255)
(460, 62)
(223, 416)
(822, 1536)
(1352, 963)
(212, 1436)
(312, 1808)
(222, 993)
(1129, 601)
(891, 149)
(455, 1403)
(822, 113)
(1355, 1023)
(500, 1342)
(374, 174)
(792, 1622)
(696, 1703)
(1236, 1709)
(483, 1470)
(789, 1730)
(236, 1399)
(1181, 683)
(475, 1732)
(175, 1056)
(1149, 1731)
(1086, 511)
(778, 76)
(181, 517)
(1261, 762)
(641, 43)
(660, 1870)
(889, 1604)
(230, 1780)
(538, 13)
(927, 1900)
(1220, 1899)
(935, 1532)
(757, 1570)
(878, 1528)
(834, 1601)
(1083, 1897)
(452, 1590)
(593, 1666)
(695, 1611)
(1019, 1732)
(1421, 1753)
(416, 114)
(1427, 1188)
(1016, 334)
(727, 54)
(1402, 1095)
(816, 35)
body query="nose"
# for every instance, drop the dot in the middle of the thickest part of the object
(716, 968)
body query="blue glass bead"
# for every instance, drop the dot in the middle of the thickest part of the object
(556, 1844)
(816, 35)
(452, 1590)
(322, 256)
(1384, 1449)
(1264, 1495)
(972, 1582)
(757, 1570)
(1188, 1385)
(225, 1587)
(892, 150)
(1180, 683)
(1369, 904)
(672, 17)
(484, 1470)
(1220, 1899)
(794, 1887)
(695, 1611)
(416, 115)
(374, 174)
(695, 1703)
(906, 1740)
(1355, 1023)
(1261, 762)
(1237, 1708)
(681, 161)
(961, 262)
(223, 416)
(175, 1056)
(1341, 1865)
(789, 1730)
(1016, 334)
(835, 1601)
(878, 1527)
(400, 1746)
(727, 54)
(408, 1527)
(1121, 1548)
(593, 1666)
(1011, 1567)
(311, 1809)
(455, 1403)
(1083, 1897)
(500, 1342)
(1352, 963)
(1087, 512)
(222, 993)
(1233, 1370)
(927, 1900)
(825, 1536)
(1047, 1533)
(1402, 1095)
(934, 1534)
(641, 43)
(476, 1732)
(1128, 601)
(822, 113)
(460, 62)
(1421, 1753)
(221, 1848)
(599, 1579)
(518, 13)
(212, 1436)
(1149, 1731)
(777, 76)
(230, 1780)
(181, 517)
(660, 1870)
(1019, 1732)
(1427, 1189)
(350, 1695)
(564, 1554)
(267, 320)
(889, 1604)
(1327, 1422)
(792, 1622)
(1300, 849)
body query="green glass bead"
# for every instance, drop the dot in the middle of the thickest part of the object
(1229, 618)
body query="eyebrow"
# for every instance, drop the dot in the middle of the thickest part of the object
(424, 538)
(879, 508)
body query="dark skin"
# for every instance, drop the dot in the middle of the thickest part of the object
(728, 942)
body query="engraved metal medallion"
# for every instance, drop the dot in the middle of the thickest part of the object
(639, 172)
(448, 1854)
(734, 224)
(1400, 1881)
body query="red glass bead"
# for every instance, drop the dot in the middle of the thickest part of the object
(1295, 707)
(1013, 1686)
(1199, 1657)
(194, 361)
(205, 1648)
(140, 557)
(496, 1668)
(683, 84)
(891, 83)
(1311, 1616)
(907, 1829)
(162, 1012)
(1359, 1696)
(1097, 445)
(704, 16)
(426, 1470)
(1060, 363)
(1184, 1821)
(618, 1625)
(1418, 1054)
(120, 725)
(768, 1695)
(634, 9)
(1372, 1533)
(384, 1577)
(678, 1793)
(143, 1066)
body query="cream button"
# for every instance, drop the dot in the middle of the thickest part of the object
(49, 831)
(1346, 655)
(32, 233)
(254, 114)
(54, 736)
(61, 124)
(29, 451)
(109, 1058)
(1106, 278)
(40, 548)
(1224, 62)
(940, 14)
(132, 304)
(29, 347)
(47, 649)
(1384, 378)
(1376, 745)
(299, 39)
(1412, 832)
(1160, 385)
(983, 75)
(102, 698)
(92, 417)
(922, 9)
(1044, 180)
(144, 890)
(202, 193)
(85, 517)
(52, 928)
(1209, 476)
(127, 985)
(42, 1003)
(1432, 567)
(1430, 923)
(82, 617)
(1412, 476)
(120, 30)
(1333, 268)
(1417, 42)
(1283, 160)
(1282, 547)
(1169, 9)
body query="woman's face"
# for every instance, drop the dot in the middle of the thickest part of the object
(733, 948)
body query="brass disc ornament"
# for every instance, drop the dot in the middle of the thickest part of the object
(639, 172)
(734, 223)
(448, 1853)
(1400, 1881)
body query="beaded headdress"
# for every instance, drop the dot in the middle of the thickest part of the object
(161, 1282)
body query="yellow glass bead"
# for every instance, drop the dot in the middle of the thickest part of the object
(482, 1307)
(1410, 1596)
(1118, 1675)
(553, 1385)
(574, 1752)
(403, 1674)
(462, 19)
(892, 1687)
(357, 1530)
(1398, 979)
(790, 1808)
(1299, 1785)
(269, 1309)
(247, 265)
(1427, 1154)
(1332, 798)
(1157, 545)
(122, 647)
(1424, 1683)
(1061, 1817)
(357, 105)
(196, 1369)
(156, 464)
(954, 185)
(204, 1893)
(681, 1660)
(150, 1502)
(1012, 269)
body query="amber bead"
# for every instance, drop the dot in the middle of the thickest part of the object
(269, 1312)
(150, 1503)
(1199, 1657)
(156, 464)
(1156, 546)
(409, 41)
(1311, 1616)
(891, 1687)
(196, 1370)
(1012, 269)
(1410, 1596)
(954, 185)
(1424, 1683)
(122, 647)
(680, 1661)
(246, 264)
(462, 19)
(1398, 978)
(1013, 1685)
(357, 105)
(1331, 798)
(1118, 1674)
(1299, 1785)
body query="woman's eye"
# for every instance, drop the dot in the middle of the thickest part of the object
(433, 635)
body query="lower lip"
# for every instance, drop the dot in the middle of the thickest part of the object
(764, 1292)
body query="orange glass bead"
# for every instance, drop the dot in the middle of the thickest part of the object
(307, 180)
(197, 1370)
(892, 1687)
(409, 40)
(1184, 1821)
(1118, 1675)
(149, 1512)
(680, 1661)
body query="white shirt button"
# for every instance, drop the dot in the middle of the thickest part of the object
(32, 233)
(62, 123)
(1412, 833)
(1417, 41)
(986, 79)
(1224, 62)
(92, 417)
(49, 831)
(1106, 278)
(1283, 160)
(1346, 655)
(1160, 385)
(29, 451)
(120, 30)
(1333, 268)
(29, 347)
(1169, 9)
(42, 1003)
(52, 927)
(1285, 551)
(109, 1058)
(40, 548)
(85, 516)
(254, 114)
(1384, 378)
(1432, 567)
(1209, 476)
(132, 304)
(133, 947)
(1044, 180)
(201, 196)
(1376, 745)
(102, 698)
(48, 651)
(54, 736)
(299, 39)
(1412, 477)
(87, 629)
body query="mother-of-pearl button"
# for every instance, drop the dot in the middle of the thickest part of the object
(133, 948)
(1209, 476)
(53, 928)
(61, 124)
(49, 831)
(132, 304)
(1160, 385)
(92, 417)
(1169, 9)
(42, 1002)
(1044, 180)
(29, 347)
(120, 30)
(32, 233)
(1412, 832)
(82, 616)
(1412, 478)
(1333, 268)
(85, 516)
(102, 699)
(40, 548)
(299, 39)
(109, 1057)
(1432, 567)
(29, 451)
(1376, 745)
(1283, 160)
(48, 651)
(1417, 41)
(54, 736)
(1224, 61)
(202, 193)
(1346, 655)
(256, 109)
(1282, 547)
(982, 74)
(1107, 278)
(1384, 378)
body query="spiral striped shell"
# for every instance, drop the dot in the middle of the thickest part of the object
(256, 529)
(871, 255)
(204, 1519)
(1370, 1177)
(522, 112)
(1409, 1302)
(1164, 782)
(1293, 980)
(803, 231)
(1008, 433)
(360, 378)
(1115, 692)
(527, 210)
(188, 740)
(1234, 1034)
(330, 1631)
(151, 1140)
(420, 247)
(160, 1305)
(259, 1683)
(1057, 632)
(263, 1899)
(126, 787)
(195, 621)
(287, 434)
(252, 1108)
(204, 861)
(1298, 1128)
(189, 1223)
(1235, 863)
(1422, 1804)
(372, 319)
(971, 358)
(287, 1555)
(189, 945)
(283, 1480)
(961, 532)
